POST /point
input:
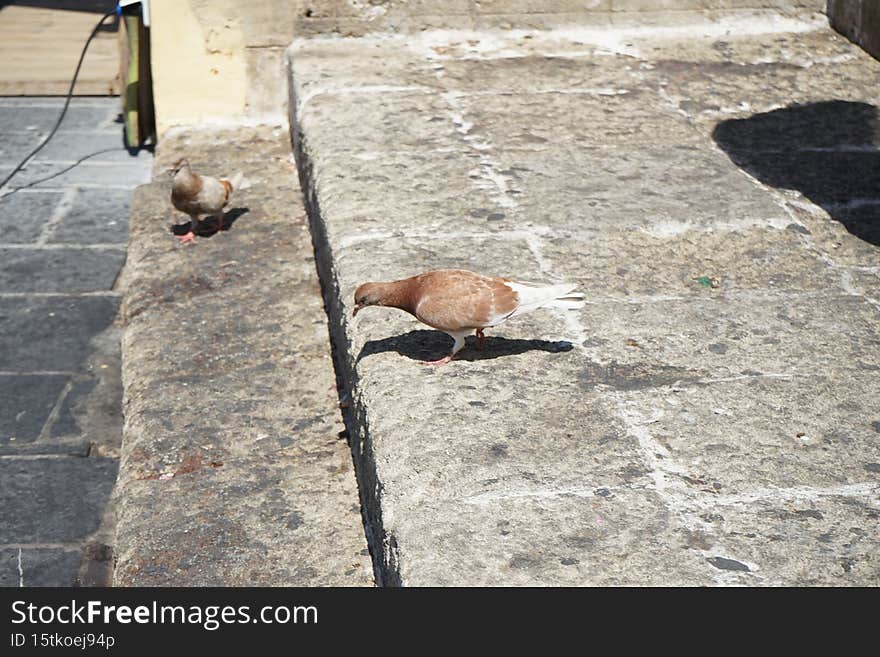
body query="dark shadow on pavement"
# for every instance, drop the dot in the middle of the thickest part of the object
(431, 345)
(828, 151)
(210, 226)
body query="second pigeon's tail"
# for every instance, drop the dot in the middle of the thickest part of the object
(561, 295)
(571, 301)
(236, 181)
(232, 185)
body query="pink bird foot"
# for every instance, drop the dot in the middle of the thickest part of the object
(481, 339)
(441, 361)
(189, 238)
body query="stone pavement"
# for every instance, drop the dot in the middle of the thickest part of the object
(235, 468)
(62, 245)
(711, 416)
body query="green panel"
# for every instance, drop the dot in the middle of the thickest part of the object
(132, 132)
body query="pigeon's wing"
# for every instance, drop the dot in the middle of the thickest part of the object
(454, 300)
(212, 196)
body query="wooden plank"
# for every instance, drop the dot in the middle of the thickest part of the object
(39, 49)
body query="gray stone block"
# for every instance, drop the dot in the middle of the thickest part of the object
(53, 499)
(103, 146)
(768, 333)
(39, 567)
(59, 331)
(41, 115)
(23, 215)
(25, 403)
(97, 216)
(695, 422)
(66, 424)
(15, 146)
(764, 433)
(42, 174)
(59, 270)
(234, 471)
(67, 446)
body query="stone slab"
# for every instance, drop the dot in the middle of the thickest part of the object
(695, 422)
(44, 174)
(60, 387)
(360, 19)
(25, 404)
(41, 116)
(95, 216)
(105, 145)
(27, 401)
(60, 331)
(235, 469)
(65, 446)
(22, 216)
(763, 433)
(99, 145)
(53, 500)
(66, 424)
(39, 567)
(59, 270)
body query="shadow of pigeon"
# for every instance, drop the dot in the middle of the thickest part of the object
(431, 345)
(211, 226)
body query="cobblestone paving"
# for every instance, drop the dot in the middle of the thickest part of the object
(62, 244)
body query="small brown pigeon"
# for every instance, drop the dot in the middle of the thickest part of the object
(200, 196)
(457, 302)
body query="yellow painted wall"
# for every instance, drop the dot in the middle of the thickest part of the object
(203, 65)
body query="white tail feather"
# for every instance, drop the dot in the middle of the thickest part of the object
(571, 302)
(236, 181)
(532, 297)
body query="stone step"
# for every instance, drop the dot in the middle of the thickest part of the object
(346, 18)
(235, 469)
(709, 417)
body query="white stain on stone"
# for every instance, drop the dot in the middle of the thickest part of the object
(487, 175)
(331, 90)
(61, 210)
(368, 11)
(20, 571)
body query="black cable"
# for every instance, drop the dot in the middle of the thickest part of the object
(66, 102)
(58, 173)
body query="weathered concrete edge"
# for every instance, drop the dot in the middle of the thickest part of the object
(858, 21)
(411, 21)
(325, 545)
(383, 546)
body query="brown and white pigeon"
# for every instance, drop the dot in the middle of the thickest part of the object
(200, 196)
(457, 302)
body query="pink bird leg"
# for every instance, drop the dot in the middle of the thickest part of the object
(458, 336)
(190, 237)
(439, 362)
(481, 339)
